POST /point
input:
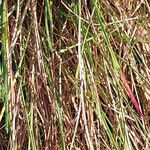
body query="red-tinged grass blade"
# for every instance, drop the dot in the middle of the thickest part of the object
(131, 95)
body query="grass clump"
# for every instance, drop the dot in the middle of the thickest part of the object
(74, 75)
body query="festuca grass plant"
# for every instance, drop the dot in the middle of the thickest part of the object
(74, 75)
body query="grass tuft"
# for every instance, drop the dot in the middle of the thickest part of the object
(74, 75)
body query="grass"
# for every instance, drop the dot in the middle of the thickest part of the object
(74, 75)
